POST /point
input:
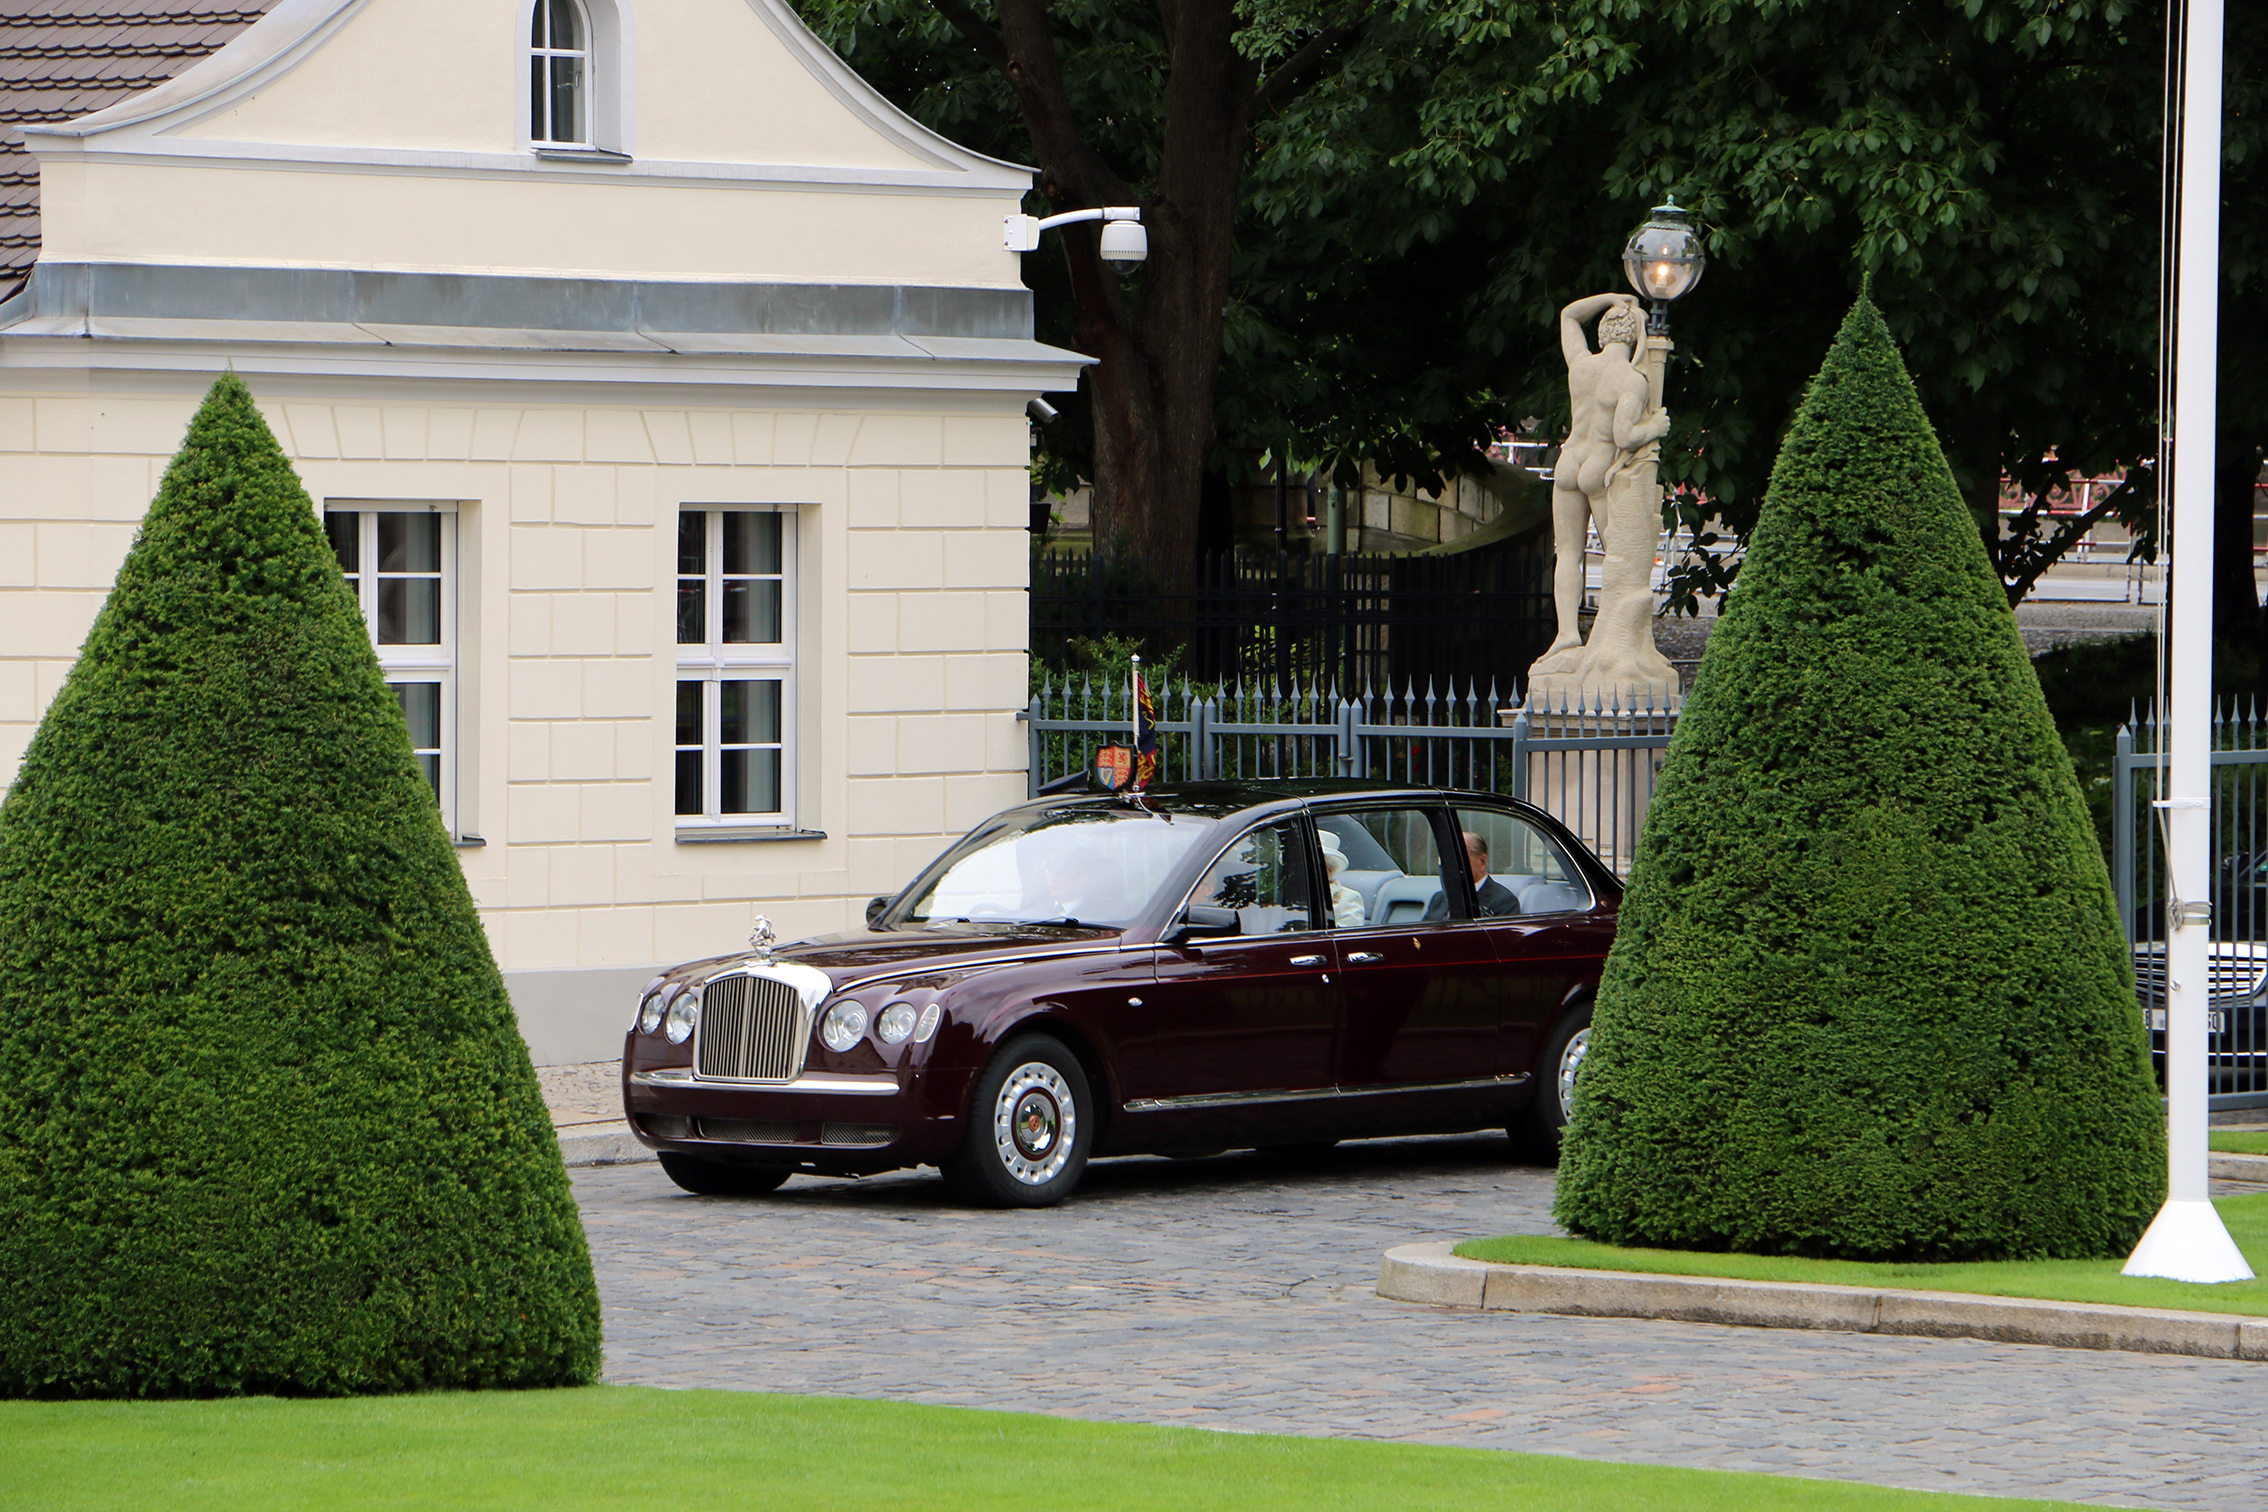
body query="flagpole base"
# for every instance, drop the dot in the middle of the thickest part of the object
(2188, 1242)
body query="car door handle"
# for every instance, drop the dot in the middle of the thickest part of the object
(1307, 960)
(1363, 957)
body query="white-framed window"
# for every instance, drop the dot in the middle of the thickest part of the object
(734, 747)
(559, 74)
(401, 561)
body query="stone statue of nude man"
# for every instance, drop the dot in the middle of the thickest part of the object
(1606, 476)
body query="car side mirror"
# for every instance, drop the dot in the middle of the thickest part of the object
(875, 908)
(1199, 922)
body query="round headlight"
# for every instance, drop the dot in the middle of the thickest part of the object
(842, 1025)
(684, 1013)
(650, 1011)
(896, 1025)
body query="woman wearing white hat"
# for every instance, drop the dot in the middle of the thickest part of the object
(1346, 903)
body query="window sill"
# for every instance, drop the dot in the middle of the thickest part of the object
(580, 155)
(468, 842)
(722, 835)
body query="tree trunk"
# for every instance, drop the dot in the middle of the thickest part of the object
(1157, 334)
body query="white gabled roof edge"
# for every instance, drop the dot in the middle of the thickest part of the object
(295, 29)
(272, 45)
(863, 98)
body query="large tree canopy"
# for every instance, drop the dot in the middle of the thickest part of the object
(1413, 189)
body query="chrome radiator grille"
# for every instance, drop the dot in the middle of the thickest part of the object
(751, 1029)
(2236, 970)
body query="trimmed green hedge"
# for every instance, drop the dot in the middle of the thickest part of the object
(1869, 997)
(266, 1122)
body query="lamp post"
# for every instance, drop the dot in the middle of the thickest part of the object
(1663, 260)
(2187, 1240)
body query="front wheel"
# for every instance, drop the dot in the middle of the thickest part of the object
(1539, 1129)
(707, 1178)
(1031, 1123)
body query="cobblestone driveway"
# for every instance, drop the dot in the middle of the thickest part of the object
(1236, 1293)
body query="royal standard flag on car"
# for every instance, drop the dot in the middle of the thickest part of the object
(1145, 731)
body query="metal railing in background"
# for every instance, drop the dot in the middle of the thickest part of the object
(1592, 768)
(2237, 998)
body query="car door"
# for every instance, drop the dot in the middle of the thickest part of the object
(1239, 1030)
(1417, 970)
(1542, 920)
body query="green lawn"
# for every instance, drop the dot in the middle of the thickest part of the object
(638, 1450)
(2241, 1142)
(2056, 1280)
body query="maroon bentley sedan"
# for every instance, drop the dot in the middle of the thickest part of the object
(1204, 967)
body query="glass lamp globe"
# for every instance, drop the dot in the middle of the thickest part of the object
(1663, 259)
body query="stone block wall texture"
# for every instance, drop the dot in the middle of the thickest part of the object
(910, 635)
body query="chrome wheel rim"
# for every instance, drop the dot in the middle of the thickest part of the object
(1570, 1063)
(1034, 1123)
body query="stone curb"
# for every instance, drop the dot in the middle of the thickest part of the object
(1430, 1273)
(2238, 1167)
(600, 1145)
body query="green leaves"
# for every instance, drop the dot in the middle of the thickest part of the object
(1869, 996)
(266, 1120)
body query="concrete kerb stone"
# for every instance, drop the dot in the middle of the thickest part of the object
(1432, 1274)
(2237, 1167)
(607, 1144)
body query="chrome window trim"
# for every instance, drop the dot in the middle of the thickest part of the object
(903, 973)
(1312, 1094)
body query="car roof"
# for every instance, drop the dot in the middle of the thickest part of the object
(1220, 799)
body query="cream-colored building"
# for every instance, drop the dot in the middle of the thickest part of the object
(663, 389)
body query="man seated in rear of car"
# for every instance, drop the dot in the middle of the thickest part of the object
(1493, 899)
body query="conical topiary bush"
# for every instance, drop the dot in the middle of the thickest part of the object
(266, 1123)
(1869, 996)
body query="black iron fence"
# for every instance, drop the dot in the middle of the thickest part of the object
(1349, 621)
(2237, 977)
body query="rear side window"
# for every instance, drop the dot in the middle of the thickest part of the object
(1385, 867)
(1530, 871)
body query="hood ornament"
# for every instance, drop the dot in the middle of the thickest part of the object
(761, 939)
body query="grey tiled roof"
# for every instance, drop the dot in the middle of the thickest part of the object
(61, 59)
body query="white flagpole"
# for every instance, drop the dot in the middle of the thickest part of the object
(1134, 705)
(2187, 1240)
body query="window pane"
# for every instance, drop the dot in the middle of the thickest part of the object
(421, 707)
(344, 527)
(688, 713)
(1384, 867)
(750, 782)
(693, 541)
(751, 542)
(566, 24)
(692, 612)
(409, 543)
(1517, 868)
(1263, 878)
(750, 713)
(409, 611)
(431, 765)
(539, 35)
(689, 782)
(752, 612)
(566, 99)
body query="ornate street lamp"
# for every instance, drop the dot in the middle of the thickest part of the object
(1663, 260)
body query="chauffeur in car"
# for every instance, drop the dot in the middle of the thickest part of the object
(1102, 974)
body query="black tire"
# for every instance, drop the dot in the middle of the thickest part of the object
(1031, 1122)
(1537, 1131)
(709, 1179)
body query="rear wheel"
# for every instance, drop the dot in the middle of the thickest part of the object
(1031, 1123)
(1538, 1130)
(710, 1179)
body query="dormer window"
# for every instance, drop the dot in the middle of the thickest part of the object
(559, 75)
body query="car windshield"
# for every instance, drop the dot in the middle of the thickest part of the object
(1065, 866)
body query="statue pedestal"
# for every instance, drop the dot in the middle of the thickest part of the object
(1592, 769)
